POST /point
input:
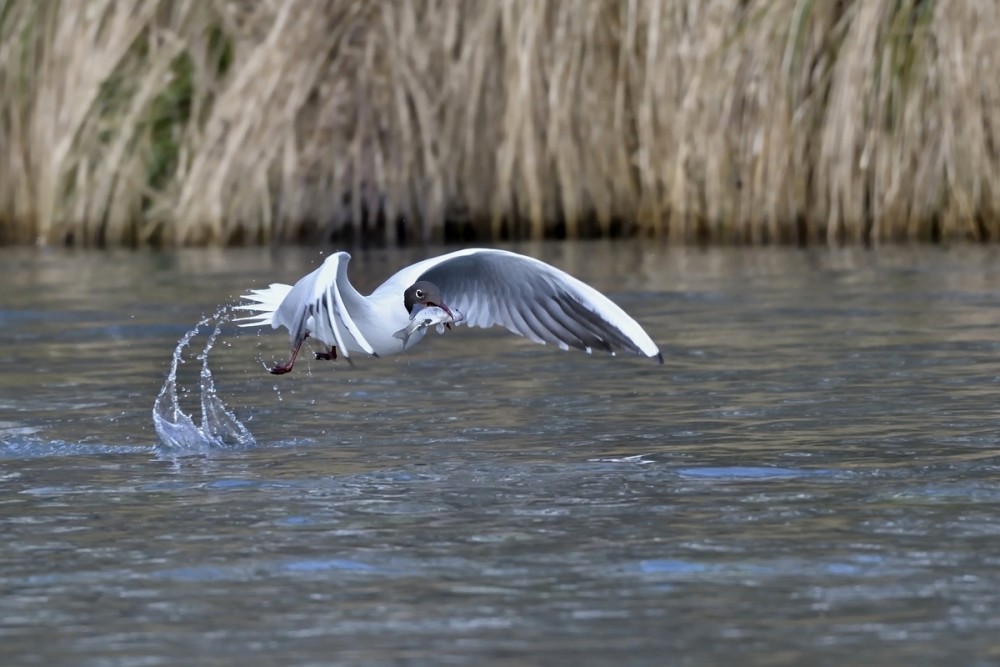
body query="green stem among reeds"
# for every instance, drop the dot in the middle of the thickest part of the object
(255, 121)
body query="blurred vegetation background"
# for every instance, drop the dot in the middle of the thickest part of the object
(134, 122)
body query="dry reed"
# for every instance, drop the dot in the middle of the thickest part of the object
(254, 121)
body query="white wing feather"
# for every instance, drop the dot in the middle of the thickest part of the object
(530, 298)
(315, 306)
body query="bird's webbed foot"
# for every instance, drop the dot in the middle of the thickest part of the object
(331, 355)
(281, 369)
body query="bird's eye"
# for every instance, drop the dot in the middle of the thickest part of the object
(419, 294)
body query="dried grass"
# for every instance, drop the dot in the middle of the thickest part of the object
(255, 121)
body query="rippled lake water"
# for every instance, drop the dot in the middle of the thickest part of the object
(812, 477)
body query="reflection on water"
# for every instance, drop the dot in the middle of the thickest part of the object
(812, 477)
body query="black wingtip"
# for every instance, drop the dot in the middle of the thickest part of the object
(659, 357)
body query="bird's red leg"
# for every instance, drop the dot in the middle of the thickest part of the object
(281, 369)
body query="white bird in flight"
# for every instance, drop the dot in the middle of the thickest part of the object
(480, 287)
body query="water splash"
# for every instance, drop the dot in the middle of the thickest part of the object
(219, 426)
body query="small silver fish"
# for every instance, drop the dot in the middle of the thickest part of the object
(427, 317)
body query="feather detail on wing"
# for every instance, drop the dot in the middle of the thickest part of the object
(535, 300)
(315, 306)
(265, 302)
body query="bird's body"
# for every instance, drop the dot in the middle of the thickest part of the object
(488, 287)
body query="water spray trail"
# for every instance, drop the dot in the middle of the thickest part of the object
(219, 426)
(217, 422)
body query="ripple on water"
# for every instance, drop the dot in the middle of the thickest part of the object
(256, 569)
(750, 472)
(29, 447)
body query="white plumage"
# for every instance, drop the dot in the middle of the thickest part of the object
(489, 287)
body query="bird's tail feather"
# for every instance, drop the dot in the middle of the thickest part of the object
(265, 303)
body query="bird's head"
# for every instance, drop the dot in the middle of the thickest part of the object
(422, 294)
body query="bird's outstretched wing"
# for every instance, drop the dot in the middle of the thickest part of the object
(316, 306)
(533, 299)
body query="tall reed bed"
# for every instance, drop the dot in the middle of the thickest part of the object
(253, 121)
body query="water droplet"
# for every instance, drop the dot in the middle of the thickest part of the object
(219, 427)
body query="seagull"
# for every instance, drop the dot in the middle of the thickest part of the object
(480, 287)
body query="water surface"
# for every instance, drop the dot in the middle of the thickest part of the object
(811, 478)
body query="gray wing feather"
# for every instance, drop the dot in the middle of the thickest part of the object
(535, 300)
